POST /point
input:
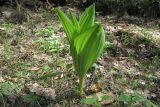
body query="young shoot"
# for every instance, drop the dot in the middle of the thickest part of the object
(86, 39)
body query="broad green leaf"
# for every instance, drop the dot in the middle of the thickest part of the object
(30, 98)
(82, 39)
(89, 101)
(8, 87)
(89, 11)
(125, 98)
(93, 47)
(106, 98)
(74, 21)
(67, 24)
(136, 97)
(46, 68)
(77, 47)
(87, 18)
(49, 75)
(90, 49)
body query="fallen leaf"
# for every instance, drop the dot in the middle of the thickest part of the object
(48, 93)
(98, 86)
(1, 80)
(34, 69)
(14, 79)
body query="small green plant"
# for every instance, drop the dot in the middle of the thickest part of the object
(95, 100)
(46, 68)
(109, 19)
(91, 101)
(49, 45)
(30, 98)
(5, 89)
(47, 31)
(2, 100)
(86, 39)
(134, 100)
(8, 87)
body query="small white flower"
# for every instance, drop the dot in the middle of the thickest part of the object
(142, 82)
(77, 81)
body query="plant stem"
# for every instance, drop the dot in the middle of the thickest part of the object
(81, 86)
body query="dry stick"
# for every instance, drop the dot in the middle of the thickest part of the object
(47, 2)
(18, 8)
(28, 15)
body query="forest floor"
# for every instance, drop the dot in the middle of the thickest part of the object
(34, 53)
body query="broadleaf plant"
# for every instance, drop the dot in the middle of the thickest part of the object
(86, 39)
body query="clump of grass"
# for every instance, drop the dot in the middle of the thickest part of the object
(45, 32)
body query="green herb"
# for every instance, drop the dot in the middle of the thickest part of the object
(86, 39)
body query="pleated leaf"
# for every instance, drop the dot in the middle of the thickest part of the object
(67, 24)
(86, 39)
(87, 18)
(78, 46)
(74, 20)
(89, 47)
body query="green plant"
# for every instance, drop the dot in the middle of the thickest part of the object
(30, 98)
(95, 100)
(134, 100)
(2, 100)
(91, 101)
(49, 45)
(8, 87)
(47, 31)
(5, 89)
(86, 39)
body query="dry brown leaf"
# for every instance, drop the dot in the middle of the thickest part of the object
(98, 86)
(48, 93)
